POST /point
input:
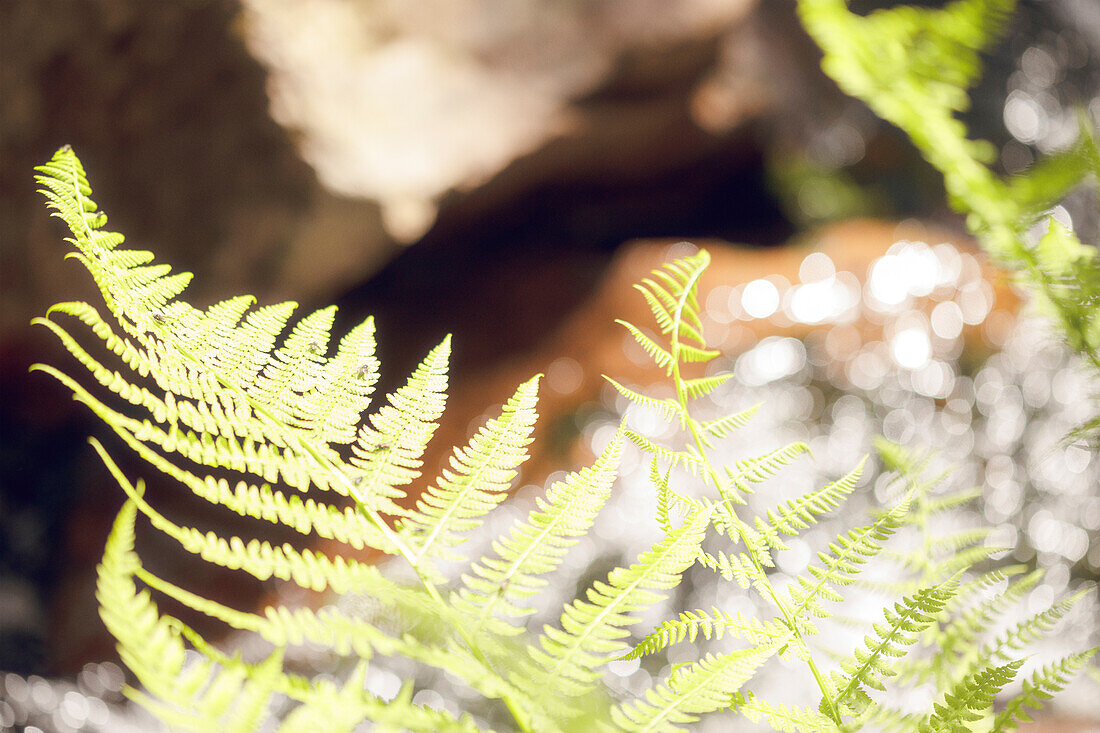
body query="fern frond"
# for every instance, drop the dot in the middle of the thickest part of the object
(755, 470)
(591, 631)
(702, 386)
(693, 355)
(1039, 688)
(345, 635)
(963, 630)
(970, 699)
(387, 452)
(686, 458)
(716, 624)
(1018, 636)
(203, 697)
(657, 353)
(899, 629)
(690, 691)
(722, 426)
(947, 502)
(783, 717)
(738, 567)
(795, 515)
(666, 408)
(668, 499)
(477, 480)
(262, 560)
(496, 586)
(840, 565)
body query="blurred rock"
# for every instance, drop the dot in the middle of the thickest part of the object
(403, 104)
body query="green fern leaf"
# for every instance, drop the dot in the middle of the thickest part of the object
(716, 624)
(690, 691)
(666, 408)
(660, 356)
(899, 629)
(969, 700)
(783, 717)
(703, 386)
(722, 426)
(1039, 688)
(591, 631)
(841, 564)
(478, 479)
(686, 458)
(536, 546)
(793, 516)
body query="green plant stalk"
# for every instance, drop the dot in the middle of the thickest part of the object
(681, 397)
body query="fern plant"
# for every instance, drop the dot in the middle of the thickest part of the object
(255, 415)
(913, 66)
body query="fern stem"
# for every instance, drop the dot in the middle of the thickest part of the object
(682, 397)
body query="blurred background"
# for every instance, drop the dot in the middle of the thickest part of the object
(503, 172)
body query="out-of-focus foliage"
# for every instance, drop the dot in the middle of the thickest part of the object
(913, 67)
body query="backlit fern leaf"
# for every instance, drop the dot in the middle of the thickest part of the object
(795, 515)
(749, 471)
(497, 586)
(477, 480)
(386, 455)
(899, 629)
(660, 356)
(591, 631)
(722, 426)
(258, 558)
(783, 717)
(666, 408)
(715, 624)
(1039, 688)
(216, 699)
(1016, 637)
(690, 691)
(702, 386)
(842, 563)
(970, 699)
(686, 458)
